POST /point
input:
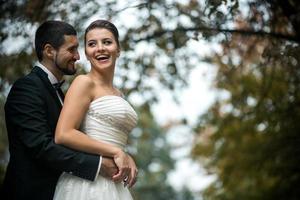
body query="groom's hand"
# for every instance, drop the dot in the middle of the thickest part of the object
(108, 168)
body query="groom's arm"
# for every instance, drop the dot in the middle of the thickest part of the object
(26, 113)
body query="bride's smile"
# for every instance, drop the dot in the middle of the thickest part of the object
(102, 50)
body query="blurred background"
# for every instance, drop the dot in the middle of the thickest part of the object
(216, 84)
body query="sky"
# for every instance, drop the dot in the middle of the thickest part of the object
(194, 101)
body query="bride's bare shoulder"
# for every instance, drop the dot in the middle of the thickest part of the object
(83, 80)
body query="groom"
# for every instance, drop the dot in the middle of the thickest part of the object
(32, 110)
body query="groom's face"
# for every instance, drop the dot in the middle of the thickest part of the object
(67, 55)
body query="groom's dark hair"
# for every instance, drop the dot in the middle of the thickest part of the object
(51, 32)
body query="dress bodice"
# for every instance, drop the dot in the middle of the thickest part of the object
(110, 119)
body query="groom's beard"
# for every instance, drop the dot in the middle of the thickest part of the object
(65, 71)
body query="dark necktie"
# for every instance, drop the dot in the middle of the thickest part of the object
(57, 87)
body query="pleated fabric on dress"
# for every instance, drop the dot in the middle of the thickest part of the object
(109, 119)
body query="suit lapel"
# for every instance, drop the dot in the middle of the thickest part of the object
(44, 77)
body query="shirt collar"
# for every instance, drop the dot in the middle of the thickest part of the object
(51, 77)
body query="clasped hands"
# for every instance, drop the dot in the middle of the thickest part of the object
(120, 168)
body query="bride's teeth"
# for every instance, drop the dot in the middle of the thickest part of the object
(101, 57)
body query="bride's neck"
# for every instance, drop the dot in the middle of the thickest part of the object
(105, 79)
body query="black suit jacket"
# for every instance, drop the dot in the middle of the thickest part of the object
(36, 162)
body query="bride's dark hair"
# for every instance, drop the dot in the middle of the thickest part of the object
(103, 24)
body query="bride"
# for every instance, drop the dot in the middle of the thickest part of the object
(93, 106)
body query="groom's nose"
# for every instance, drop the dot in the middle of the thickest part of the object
(76, 55)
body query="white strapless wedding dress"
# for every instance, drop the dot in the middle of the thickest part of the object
(110, 119)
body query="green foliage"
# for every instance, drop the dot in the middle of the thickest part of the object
(152, 153)
(3, 140)
(250, 137)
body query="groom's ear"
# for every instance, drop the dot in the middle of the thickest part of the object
(49, 51)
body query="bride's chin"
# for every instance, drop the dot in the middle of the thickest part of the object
(102, 66)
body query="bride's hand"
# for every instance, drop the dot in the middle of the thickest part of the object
(132, 176)
(122, 161)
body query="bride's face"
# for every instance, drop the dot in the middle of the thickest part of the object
(101, 48)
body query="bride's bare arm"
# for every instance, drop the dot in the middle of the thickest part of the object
(77, 101)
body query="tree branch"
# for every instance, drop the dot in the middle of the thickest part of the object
(291, 10)
(220, 30)
(140, 5)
